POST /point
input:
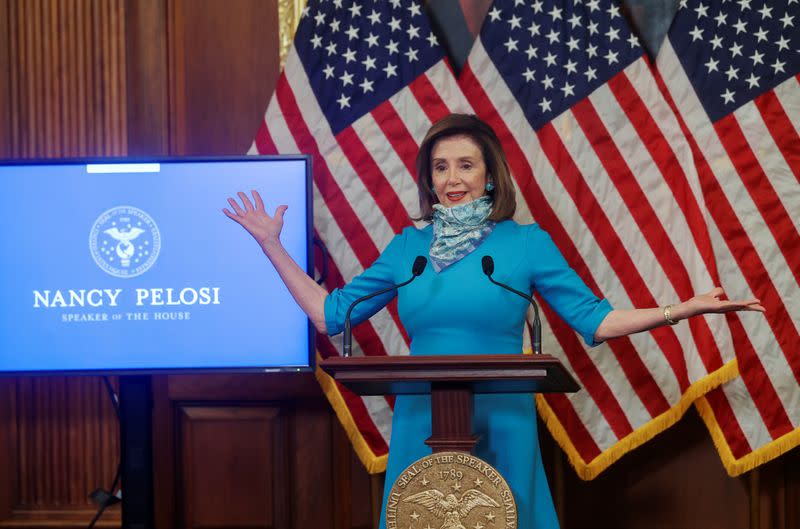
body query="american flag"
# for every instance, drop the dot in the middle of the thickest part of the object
(362, 84)
(730, 71)
(600, 160)
(601, 163)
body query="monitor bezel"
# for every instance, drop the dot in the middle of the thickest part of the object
(309, 265)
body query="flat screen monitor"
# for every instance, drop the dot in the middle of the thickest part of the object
(117, 266)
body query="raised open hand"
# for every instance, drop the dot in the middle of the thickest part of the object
(711, 302)
(264, 229)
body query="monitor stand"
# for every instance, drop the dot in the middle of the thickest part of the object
(136, 445)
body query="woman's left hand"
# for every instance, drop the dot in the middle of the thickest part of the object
(711, 302)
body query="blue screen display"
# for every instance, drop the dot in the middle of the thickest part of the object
(120, 267)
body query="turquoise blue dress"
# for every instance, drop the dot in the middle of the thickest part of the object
(458, 311)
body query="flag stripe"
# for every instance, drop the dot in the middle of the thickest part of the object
(572, 424)
(649, 224)
(326, 228)
(697, 340)
(781, 129)
(728, 423)
(355, 405)
(581, 407)
(585, 152)
(743, 407)
(346, 218)
(786, 92)
(648, 390)
(398, 135)
(569, 217)
(663, 154)
(608, 241)
(581, 364)
(389, 163)
(387, 182)
(365, 334)
(451, 93)
(737, 239)
(745, 234)
(589, 376)
(760, 190)
(775, 166)
(263, 141)
(367, 340)
(639, 376)
(412, 116)
(769, 404)
(349, 185)
(742, 252)
(380, 333)
(429, 99)
(757, 134)
(581, 151)
(673, 156)
(367, 337)
(630, 192)
(376, 183)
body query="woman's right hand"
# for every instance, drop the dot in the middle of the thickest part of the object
(265, 230)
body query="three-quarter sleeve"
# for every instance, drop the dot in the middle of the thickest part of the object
(562, 288)
(381, 274)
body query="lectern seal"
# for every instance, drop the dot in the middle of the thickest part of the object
(450, 490)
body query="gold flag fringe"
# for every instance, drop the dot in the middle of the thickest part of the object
(589, 471)
(757, 457)
(375, 464)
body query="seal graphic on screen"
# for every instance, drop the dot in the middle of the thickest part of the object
(124, 241)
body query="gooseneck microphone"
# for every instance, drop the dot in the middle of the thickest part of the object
(488, 268)
(347, 341)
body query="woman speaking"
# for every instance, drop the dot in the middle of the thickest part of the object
(467, 196)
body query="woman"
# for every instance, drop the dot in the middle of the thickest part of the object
(466, 193)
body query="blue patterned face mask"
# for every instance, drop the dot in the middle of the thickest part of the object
(458, 230)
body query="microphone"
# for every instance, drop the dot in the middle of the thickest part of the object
(488, 268)
(347, 341)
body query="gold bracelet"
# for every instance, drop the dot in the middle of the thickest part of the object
(668, 315)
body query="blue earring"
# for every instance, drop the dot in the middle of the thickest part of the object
(489, 186)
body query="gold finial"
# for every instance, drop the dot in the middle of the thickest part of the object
(289, 12)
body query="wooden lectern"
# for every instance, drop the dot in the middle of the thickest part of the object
(451, 381)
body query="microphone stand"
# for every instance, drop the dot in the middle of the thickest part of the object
(347, 339)
(488, 269)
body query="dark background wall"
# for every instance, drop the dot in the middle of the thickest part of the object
(155, 77)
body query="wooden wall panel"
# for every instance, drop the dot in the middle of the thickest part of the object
(147, 73)
(324, 483)
(67, 78)
(5, 80)
(314, 479)
(68, 442)
(356, 495)
(8, 447)
(776, 493)
(59, 442)
(676, 481)
(234, 467)
(221, 77)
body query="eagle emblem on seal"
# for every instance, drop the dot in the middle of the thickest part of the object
(450, 508)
